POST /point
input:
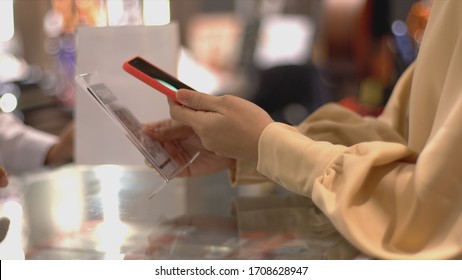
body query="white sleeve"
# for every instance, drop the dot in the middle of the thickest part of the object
(22, 148)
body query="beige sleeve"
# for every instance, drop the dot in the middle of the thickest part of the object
(331, 123)
(296, 214)
(384, 200)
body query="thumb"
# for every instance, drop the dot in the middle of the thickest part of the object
(196, 100)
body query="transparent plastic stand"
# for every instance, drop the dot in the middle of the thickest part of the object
(166, 166)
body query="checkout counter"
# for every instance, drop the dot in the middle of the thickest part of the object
(103, 212)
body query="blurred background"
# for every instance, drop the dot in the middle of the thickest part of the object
(288, 56)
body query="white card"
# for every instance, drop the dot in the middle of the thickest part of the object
(104, 50)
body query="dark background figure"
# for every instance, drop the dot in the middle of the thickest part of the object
(361, 60)
(289, 93)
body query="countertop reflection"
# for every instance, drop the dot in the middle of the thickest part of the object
(104, 212)
(86, 212)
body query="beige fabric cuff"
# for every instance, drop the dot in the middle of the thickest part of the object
(293, 160)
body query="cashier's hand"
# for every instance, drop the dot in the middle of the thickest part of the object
(3, 177)
(63, 151)
(226, 125)
(182, 143)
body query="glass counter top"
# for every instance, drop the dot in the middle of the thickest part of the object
(104, 212)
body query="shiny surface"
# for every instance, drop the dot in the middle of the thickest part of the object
(104, 212)
(79, 212)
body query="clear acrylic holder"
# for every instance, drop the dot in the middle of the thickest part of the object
(166, 166)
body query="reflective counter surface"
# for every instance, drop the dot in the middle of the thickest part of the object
(103, 212)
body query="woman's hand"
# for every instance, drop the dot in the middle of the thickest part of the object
(227, 125)
(181, 142)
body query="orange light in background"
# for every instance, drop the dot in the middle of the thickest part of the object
(69, 17)
(91, 12)
(73, 13)
(417, 19)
